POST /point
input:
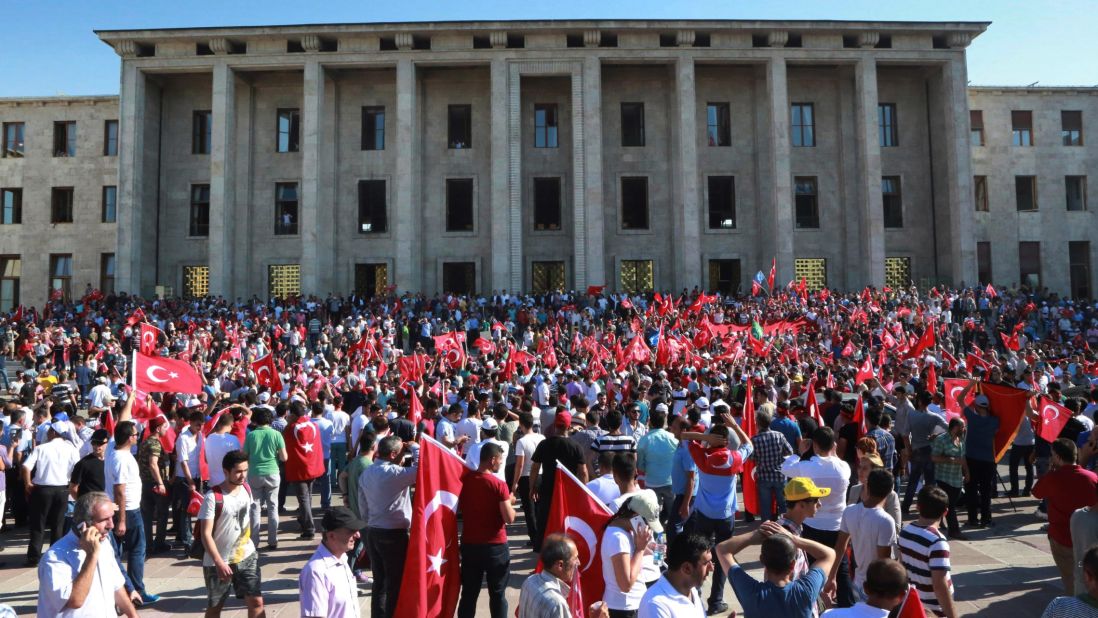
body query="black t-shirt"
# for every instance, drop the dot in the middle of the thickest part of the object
(850, 432)
(551, 450)
(404, 428)
(87, 474)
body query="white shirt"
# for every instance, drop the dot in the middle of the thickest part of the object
(618, 541)
(328, 587)
(662, 600)
(99, 396)
(186, 449)
(605, 489)
(469, 426)
(525, 448)
(120, 468)
(58, 570)
(869, 528)
(52, 463)
(472, 456)
(358, 423)
(217, 444)
(340, 420)
(860, 610)
(830, 472)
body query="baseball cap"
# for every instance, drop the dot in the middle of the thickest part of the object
(802, 488)
(579, 419)
(100, 436)
(264, 397)
(661, 407)
(645, 504)
(702, 403)
(489, 424)
(61, 427)
(982, 400)
(193, 402)
(563, 419)
(341, 517)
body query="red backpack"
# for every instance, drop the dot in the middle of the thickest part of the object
(198, 548)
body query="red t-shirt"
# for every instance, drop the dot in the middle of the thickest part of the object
(482, 520)
(1067, 488)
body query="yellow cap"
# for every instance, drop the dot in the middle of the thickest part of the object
(802, 488)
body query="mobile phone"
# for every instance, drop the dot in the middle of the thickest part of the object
(81, 527)
(637, 522)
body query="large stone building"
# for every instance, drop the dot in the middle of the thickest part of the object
(479, 156)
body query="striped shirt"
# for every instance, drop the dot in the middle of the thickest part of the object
(923, 550)
(1069, 607)
(610, 442)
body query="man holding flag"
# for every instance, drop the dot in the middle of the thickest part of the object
(385, 488)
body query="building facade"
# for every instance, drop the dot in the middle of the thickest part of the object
(481, 156)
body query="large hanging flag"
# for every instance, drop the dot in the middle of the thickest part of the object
(1009, 405)
(773, 274)
(432, 574)
(266, 374)
(153, 374)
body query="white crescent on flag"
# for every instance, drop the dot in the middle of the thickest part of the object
(1046, 418)
(148, 339)
(150, 373)
(263, 375)
(584, 530)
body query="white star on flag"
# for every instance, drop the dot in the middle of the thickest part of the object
(173, 375)
(436, 562)
(307, 446)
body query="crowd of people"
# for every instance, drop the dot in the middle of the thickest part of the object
(829, 410)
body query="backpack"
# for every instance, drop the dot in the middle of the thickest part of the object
(197, 549)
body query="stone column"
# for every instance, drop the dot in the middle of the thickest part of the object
(590, 263)
(130, 255)
(222, 182)
(315, 217)
(506, 188)
(777, 226)
(954, 110)
(406, 231)
(687, 239)
(869, 176)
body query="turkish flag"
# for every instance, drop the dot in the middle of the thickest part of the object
(772, 275)
(756, 289)
(595, 290)
(137, 316)
(150, 337)
(750, 493)
(432, 572)
(951, 392)
(575, 511)
(990, 291)
(636, 351)
(811, 405)
(912, 607)
(974, 361)
(865, 371)
(153, 374)
(305, 456)
(1009, 405)
(932, 379)
(1053, 418)
(950, 359)
(409, 368)
(415, 407)
(485, 345)
(859, 417)
(266, 374)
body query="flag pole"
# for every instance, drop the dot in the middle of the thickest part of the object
(133, 371)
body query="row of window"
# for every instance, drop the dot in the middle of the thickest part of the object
(59, 281)
(61, 205)
(1025, 193)
(64, 139)
(1021, 128)
(1029, 265)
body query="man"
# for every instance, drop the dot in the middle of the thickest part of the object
(188, 477)
(231, 562)
(605, 487)
(871, 529)
(980, 427)
(631, 424)
(543, 472)
(52, 463)
(327, 586)
(79, 575)
(153, 465)
(489, 430)
(678, 593)
(326, 429)
(545, 594)
(886, 585)
(123, 478)
(771, 448)
(341, 424)
(615, 440)
(1066, 487)
(802, 499)
(304, 463)
(925, 552)
(780, 593)
(487, 507)
(922, 428)
(385, 488)
(265, 448)
(655, 453)
(87, 475)
(524, 459)
(684, 480)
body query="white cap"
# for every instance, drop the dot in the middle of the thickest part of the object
(702, 403)
(489, 424)
(264, 397)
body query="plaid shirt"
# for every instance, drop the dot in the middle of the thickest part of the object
(771, 448)
(886, 446)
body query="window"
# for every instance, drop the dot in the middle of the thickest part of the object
(803, 125)
(110, 138)
(886, 125)
(983, 261)
(979, 189)
(812, 270)
(1025, 191)
(806, 202)
(976, 127)
(1079, 268)
(459, 204)
(897, 272)
(722, 202)
(64, 139)
(634, 203)
(11, 200)
(110, 204)
(460, 123)
(547, 204)
(718, 120)
(289, 130)
(547, 277)
(286, 208)
(283, 280)
(637, 276)
(202, 132)
(61, 205)
(893, 201)
(200, 211)
(10, 271)
(1029, 264)
(1076, 189)
(373, 128)
(106, 273)
(13, 139)
(61, 275)
(1071, 128)
(196, 281)
(1021, 123)
(545, 125)
(724, 276)
(373, 216)
(632, 124)
(459, 277)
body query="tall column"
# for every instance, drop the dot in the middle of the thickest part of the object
(869, 175)
(406, 231)
(222, 182)
(777, 229)
(687, 239)
(131, 180)
(589, 216)
(506, 188)
(316, 218)
(954, 109)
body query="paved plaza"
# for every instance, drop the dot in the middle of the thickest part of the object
(1005, 571)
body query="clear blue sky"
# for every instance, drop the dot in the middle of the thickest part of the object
(49, 47)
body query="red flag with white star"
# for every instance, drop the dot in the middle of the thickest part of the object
(305, 455)
(266, 374)
(153, 374)
(150, 337)
(432, 573)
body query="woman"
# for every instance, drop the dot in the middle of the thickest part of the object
(624, 548)
(951, 470)
(856, 493)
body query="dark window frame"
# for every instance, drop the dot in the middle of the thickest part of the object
(1071, 127)
(629, 220)
(718, 124)
(59, 277)
(288, 140)
(1029, 251)
(892, 202)
(369, 215)
(109, 210)
(11, 270)
(64, 138)
(110, 138)
(373, 135)
(632, 113)
(888, 125)
(15, 140)
(201, 131)
(14, 214)
(60, 211)
(980, 194)
(547, 217)
(454, 223)
(1082, 192)
(1021, 128)
(199, 220)
(977, 137)
(723, 217)
(546, 125)
(806, 202)
(1018, 195)
(802, 133)
(459, 125)
(282, 206)
(108, 265)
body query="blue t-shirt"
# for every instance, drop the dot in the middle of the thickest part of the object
(681, 463)
(796, 600)
(788, 428)
(980, 443)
